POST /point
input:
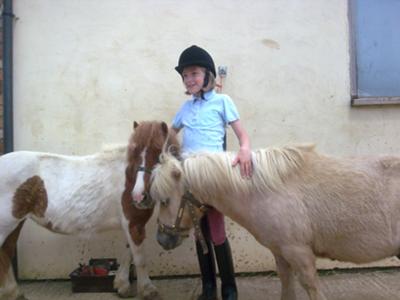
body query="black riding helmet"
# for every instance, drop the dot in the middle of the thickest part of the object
(195, 56)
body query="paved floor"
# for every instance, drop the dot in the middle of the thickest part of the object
(358, 285)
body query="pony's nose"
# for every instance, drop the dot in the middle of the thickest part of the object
(138, 197)
(146, 202)
(168, 241)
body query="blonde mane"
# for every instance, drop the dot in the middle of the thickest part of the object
(162, 181)
(211, 174)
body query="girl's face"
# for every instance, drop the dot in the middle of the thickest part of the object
(193, 79)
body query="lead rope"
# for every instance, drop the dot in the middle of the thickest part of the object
(197, 231)
(193, 203)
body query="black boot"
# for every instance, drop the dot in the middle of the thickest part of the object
(226, 271)
(207, 265)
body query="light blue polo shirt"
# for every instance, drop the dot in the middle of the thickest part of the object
(204, 120)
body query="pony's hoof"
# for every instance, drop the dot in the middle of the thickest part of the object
(21, 297)
(150, 292)
(128, 291)
(153, 296)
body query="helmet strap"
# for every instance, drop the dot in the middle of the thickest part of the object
(206, 80)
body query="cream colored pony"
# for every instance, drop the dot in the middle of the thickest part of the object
(299, 204)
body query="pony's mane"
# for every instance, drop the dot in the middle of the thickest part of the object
(211, 174)
(110, 152)
(113, 148)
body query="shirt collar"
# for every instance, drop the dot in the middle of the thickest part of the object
(207, 96)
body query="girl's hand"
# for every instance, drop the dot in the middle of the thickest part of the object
(244, 159)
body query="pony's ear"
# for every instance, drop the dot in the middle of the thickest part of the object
(135, 124)
(164, 128)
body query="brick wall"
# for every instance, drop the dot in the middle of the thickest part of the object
(1, 85)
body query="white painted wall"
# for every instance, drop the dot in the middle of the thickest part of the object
(84, 70)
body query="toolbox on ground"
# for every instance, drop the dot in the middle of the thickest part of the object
(98, 276)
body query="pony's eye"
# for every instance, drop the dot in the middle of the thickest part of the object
(165, 202)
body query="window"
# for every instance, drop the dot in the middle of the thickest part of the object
(375, 51)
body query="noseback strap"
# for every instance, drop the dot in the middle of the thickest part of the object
(192, 203)
(144, 169)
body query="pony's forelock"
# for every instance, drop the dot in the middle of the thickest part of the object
(171, 144)
(163, 183)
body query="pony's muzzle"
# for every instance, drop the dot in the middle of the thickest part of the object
(168, 241)
(146, 203)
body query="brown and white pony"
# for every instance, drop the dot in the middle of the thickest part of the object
(82, 194)
(299, 204)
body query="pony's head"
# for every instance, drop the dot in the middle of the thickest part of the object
(179, 211)
(145, 145)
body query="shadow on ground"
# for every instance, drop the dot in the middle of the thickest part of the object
(354, 285)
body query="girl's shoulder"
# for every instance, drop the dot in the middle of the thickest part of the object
(221, 97)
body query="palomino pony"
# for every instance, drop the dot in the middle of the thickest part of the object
(81, 194)
(298, 203)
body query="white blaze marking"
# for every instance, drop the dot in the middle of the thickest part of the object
(138, 189)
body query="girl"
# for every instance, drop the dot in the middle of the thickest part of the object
(203, 119)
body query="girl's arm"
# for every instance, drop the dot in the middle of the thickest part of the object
(244, 155)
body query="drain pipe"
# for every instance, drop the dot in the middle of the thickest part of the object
(8, 126)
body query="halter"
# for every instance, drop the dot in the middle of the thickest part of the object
(144, 169)
(192, 203)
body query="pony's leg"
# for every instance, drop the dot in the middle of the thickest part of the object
(145, 287)
(9, 289)
(121, 281)
(7, 221)
(29, 197)
(302, 260)
(287, 278)
(8, 285)
(6, 230)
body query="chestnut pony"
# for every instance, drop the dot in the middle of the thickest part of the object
(300, 204)
(82, 194)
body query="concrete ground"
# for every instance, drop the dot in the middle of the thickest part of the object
(349, 285)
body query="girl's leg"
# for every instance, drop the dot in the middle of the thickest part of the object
(206, 264)
(223, 254)
(217, 226)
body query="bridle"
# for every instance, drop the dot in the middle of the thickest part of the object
(144, 169)
(176, 230)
